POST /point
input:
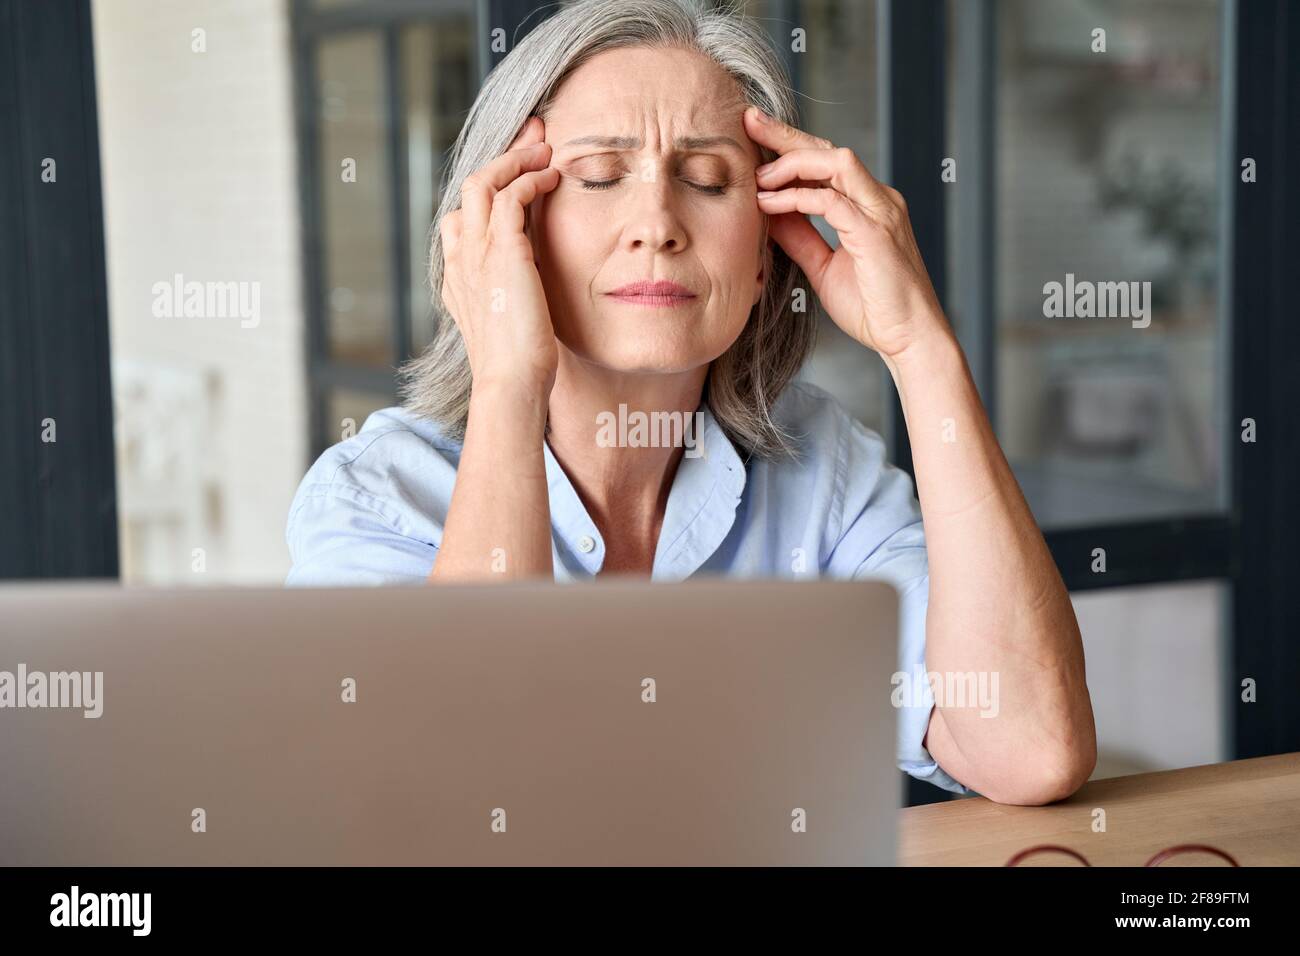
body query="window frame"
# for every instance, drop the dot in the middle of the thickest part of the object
(310, 23)
(1249, 544)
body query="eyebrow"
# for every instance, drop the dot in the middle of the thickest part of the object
(633, 142)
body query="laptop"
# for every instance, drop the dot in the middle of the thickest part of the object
(613, 723)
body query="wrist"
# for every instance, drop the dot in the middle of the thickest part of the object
(935, 353)
(509, 402)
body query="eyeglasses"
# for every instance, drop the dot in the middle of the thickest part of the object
(1156, 860)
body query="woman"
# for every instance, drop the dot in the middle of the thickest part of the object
(624, 232)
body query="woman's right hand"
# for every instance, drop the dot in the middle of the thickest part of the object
(491, 286)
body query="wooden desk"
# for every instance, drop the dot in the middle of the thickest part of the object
(1248, 808)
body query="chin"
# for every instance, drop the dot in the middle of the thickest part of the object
(650, 345)
(644, 353)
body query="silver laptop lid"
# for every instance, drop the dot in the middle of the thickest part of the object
(710, 722)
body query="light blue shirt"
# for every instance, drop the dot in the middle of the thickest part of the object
(371, 511)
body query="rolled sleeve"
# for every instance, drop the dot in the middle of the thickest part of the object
(340, 536)
(917, 702)
(884, 538)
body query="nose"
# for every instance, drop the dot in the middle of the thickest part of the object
(654, 221)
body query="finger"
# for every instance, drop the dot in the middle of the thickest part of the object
(480, 187)
(839, 167)
(450, 230)
(838, 210)
(778, 136)
(508, 207)
(531, 132)
(802, 242)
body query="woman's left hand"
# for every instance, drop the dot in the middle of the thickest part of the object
(997, 603)
(874, 286)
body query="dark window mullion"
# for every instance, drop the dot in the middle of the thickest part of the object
(910, 43)
(517, 18)
(1189, 548)
(785, 16)
(332, 374)
(60, 517)
(400, 274)
(1265, 386)
(311, 198)
(911, 40)
(973, 289)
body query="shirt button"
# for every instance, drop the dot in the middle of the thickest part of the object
(586, 545)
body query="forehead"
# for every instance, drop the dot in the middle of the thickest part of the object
(625, 92)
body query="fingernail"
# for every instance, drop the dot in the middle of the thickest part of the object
(764, 193)
(762, 117)
(762, 170)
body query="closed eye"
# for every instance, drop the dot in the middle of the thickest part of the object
(595, 184)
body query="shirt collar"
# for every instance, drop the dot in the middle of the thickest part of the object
(701, 509)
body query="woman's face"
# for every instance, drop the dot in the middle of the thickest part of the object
(660, 186)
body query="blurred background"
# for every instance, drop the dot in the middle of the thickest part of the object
(224, 132)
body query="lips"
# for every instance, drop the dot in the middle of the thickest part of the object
(658, 294)
(659, 290)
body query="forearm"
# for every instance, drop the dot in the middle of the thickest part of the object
(499, 522)
(997, 603)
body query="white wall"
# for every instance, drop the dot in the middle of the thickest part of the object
(199, 173)
(1156, 659)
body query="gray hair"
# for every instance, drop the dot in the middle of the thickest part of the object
(745, 381)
